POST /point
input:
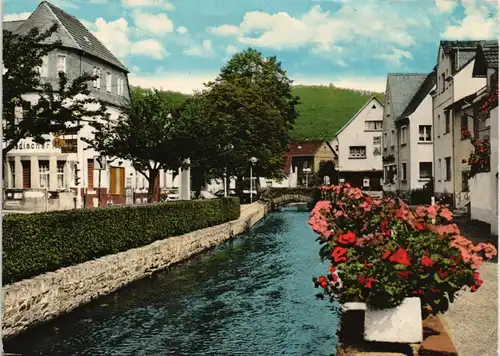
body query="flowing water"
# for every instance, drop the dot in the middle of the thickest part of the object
(250, 296)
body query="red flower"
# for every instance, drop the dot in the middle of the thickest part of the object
(361, 279)
(368, 283)
(368, 265)
(338, 254)
(322, 281)
(479, 283)
(435, 290)
(419, 227)
(404, 274)
(386, 254)
(401, 257)
(442, 274)
(348, 238)
(475, 276)
(473, 288)
(399, 214)
(426, 261)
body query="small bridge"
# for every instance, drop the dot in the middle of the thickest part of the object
(276, 197)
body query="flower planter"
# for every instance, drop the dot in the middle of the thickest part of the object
(402, 324)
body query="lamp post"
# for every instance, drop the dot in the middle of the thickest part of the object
(227, 148)
(252, 160)
(307, 171)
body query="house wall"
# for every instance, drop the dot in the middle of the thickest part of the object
(324, 153)
(494, 170)
(480, 197)
(420, 151)
(403, 155)
(462, 149)
(388, 142)
(443, 142)
(355, 134)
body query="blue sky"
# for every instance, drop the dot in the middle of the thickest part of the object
(179, 44)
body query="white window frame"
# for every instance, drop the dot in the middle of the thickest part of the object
(44, 171)
(373, 125)
(99, 78)
(108, 82)
(420, 177)
(404, 171)
(61, 66)
(424, 132)
(60, 174)
(356, 154)
(12, 166)
(95, 73)
(403, 135)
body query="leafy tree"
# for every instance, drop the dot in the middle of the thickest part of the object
(67, 105)
(148, 133)
(248, 111)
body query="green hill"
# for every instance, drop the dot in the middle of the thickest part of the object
(324, 110)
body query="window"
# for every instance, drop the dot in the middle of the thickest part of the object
(465, 181)
(12, 173)
(377, 140)
(447, 126)
(389, 173)
(26, 166)
(121, 86)
(61, 63)
(99, 76)
(385, 141)
(108, 81)
(439, 125)
(95, 82)
(60, 174)
(403, 171)
(425, 170)
(464, 125)
(373, 125)
(393, 140)
(90, 173)
(440, 170)
(357, 151)
(43, 168)
(376, 151)
(442, 82)
(448, 168)
(403, 135)
(43, 70)
(424, 133)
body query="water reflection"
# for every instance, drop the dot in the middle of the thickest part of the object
(250, 296)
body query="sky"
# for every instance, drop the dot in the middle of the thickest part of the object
(181, 44)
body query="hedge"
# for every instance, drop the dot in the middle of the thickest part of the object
(37, 243)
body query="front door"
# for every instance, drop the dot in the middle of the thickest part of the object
(117, 180)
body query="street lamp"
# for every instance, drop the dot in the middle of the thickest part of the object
(252, 160)
(227, 148)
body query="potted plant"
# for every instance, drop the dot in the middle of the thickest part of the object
(387, 257)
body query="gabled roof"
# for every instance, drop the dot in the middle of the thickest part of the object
(486, 58)
(305, 148)
(450, 45)
(422, 92)
(72, 32)
(12, 26)
(356, 115)
(402, 88)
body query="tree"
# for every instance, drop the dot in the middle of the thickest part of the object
(67, 105)
(248, 111)
(148, 133)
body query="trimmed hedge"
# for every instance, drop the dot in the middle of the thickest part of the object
(37, 243)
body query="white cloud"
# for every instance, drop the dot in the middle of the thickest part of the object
(231, 49)
(203, 50)
(223, 30)
(16, 17)
(157, 24)
(150, 47)
(189, 82)
(478, 23)
(115, 36)
(395, 58)
(182, 30)
(446, 5)
(148, 3)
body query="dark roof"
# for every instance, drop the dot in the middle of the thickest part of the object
(76, 35)
(402, 88)
(450, 45)
(486, 58)
(12, 26)
(422, 92)
(304, 148)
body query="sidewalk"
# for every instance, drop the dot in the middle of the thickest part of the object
(472, 320)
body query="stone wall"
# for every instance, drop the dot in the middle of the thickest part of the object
(39, 299)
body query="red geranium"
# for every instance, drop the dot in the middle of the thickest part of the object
(401, 257)
(348, 238)
(386, 254)
(426, 261)
(338, 254)
(404, 274)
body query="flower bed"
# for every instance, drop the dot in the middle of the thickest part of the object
(382, 252)
(479, 158)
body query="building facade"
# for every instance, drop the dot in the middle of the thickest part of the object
(359, 147)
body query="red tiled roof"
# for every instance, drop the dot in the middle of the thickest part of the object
(301, 148)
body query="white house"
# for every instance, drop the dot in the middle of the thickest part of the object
(401, 88)
(455, 82)
(358, 145)
(414, 152)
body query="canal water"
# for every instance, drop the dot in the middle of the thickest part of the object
(251, 296)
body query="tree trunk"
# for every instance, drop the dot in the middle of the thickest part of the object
(239, 186)
(153, 174)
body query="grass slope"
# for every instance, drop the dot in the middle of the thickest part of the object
(324, 110)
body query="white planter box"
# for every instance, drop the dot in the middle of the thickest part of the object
(402, 324)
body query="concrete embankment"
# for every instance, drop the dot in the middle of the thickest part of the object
(44, 297)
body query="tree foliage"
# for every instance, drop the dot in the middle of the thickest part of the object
(148, 133)
(58, 106)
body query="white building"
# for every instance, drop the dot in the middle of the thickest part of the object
(359, 147)
(31, 169)
(455, 82)
(401, 88)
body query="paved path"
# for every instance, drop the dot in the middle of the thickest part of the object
(472, 319)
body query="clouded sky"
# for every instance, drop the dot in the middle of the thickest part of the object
(179, 44)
